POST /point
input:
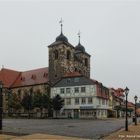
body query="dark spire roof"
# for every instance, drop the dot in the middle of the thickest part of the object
(61, 37)
(79, 47)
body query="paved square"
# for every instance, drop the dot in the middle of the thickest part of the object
(77, 128)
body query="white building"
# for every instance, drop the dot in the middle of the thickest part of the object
(82, 97)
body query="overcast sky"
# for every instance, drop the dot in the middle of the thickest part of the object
(110, 32)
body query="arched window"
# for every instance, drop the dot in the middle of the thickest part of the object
(56, 54)
(76, 70)
(86, 62)
(68, 55)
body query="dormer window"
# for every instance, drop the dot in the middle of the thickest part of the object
(45, 75)
(76, 80)
(68, 80)
(33, 77)
(22, 78)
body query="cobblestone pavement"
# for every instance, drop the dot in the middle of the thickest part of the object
(91, 129)
(133, 133)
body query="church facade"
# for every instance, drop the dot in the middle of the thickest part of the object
(65, 58)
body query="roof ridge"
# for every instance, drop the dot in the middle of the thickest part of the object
(34, 69)
(9, 70)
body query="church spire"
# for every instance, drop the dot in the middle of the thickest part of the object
(61, 37)
(61, 23)
(79, 47)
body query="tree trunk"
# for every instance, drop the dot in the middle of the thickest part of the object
(56, 113)
(41, 109)
(29, 114)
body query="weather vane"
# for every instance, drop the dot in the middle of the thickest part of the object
(79, 35)
(61, 23)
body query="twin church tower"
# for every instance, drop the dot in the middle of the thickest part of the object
(65, 58)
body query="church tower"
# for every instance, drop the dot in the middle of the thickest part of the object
(82, 60)
(61, 57)
(65, 58)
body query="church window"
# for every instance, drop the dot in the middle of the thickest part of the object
(75, 69)
(68, 55)
(56, 54)
(86, 62)
(19, 93)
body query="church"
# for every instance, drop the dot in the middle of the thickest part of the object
(63, 58)
(66, 58)
(68, 75)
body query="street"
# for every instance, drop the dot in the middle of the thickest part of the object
(78, 128)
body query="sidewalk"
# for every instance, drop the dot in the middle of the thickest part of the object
(39, 137)
(133, 133)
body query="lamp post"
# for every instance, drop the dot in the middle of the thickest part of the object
(135, 98)
(126, 119)
(1, 104)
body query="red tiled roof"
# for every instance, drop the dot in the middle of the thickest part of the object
(12, 78)
(32, 77)
(101, 91)
(72, 74)
(8, 76)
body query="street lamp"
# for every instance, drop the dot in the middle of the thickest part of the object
(1, 104)
(126, 119)
(135, 98)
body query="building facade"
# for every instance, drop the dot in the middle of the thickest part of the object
(23, 83)
(83, 98)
